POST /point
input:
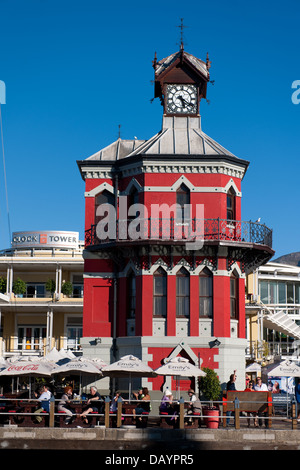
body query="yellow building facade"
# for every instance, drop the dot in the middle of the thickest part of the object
(41, 293)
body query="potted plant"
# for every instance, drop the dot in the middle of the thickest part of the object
(211, 389)
(50, 286)
(19, 287)
(67, 288)
(2, 285)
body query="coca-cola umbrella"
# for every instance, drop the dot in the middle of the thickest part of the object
(127, 367)
(28, 369)
(179, 367)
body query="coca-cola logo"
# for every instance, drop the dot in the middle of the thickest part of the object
(29, 367)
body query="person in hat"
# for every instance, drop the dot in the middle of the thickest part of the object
(166, 401)
(194, 407)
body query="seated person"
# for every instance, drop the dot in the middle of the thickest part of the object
(114, 403)
(166, 402)
(63, 404)
(144, 405)
(44, 400)
(167, 406)
(94, 403)
(194, 407)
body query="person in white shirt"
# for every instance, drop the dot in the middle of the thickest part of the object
(261, 387)
(44, 400)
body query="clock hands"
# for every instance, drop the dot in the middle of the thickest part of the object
(184, 101)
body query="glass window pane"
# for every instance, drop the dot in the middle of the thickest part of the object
(282, 293)
(40, 291)
(273, 292)
(264, 292)
(290, 293)
(297, 292)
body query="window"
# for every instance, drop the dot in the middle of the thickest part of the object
(290, 293)
(77, 286)
(131, 296)
(264, 292)
(133, 197)
(182, 293)
(282, 293)
(31, 337)
(272, 293)
(160, 293)
(35, 290)
(74, 333)
(231, 204)
(105, 197)
(182, 198)
(233, 297)
(206, 293)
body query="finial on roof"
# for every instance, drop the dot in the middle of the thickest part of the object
(154, 62)
(208, 62)
(181, 26)
(119, 133)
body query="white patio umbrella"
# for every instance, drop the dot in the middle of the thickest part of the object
(286, 369)
(3, 363)
(79, 366)
(179, 367)
(128, 366)
(27, 368)
(254, 367)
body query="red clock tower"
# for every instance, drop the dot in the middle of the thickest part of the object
(166, 252)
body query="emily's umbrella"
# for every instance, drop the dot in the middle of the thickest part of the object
(284, 369)
(128, 366)
(78, 367)
(180, 367)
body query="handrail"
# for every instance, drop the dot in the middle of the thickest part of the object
(192, 229)
(106, 414)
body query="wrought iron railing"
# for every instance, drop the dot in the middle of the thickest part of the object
(169, 229)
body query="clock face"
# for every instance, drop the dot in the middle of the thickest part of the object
(181, 99)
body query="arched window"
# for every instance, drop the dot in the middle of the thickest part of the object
(160, 293)
(231, 205)
(133, 197)
(233, 297)
(182, 198)
(131, 289)
(105, 197)
(182, 293)
(206, 293)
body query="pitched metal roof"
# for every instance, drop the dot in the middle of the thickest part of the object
(181, 136)
(117, 150)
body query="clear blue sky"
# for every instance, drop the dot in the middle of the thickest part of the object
(75, 70)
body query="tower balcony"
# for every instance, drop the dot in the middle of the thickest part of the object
(247, 242)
